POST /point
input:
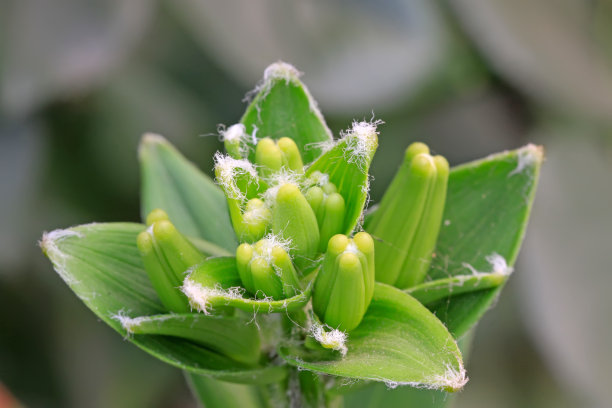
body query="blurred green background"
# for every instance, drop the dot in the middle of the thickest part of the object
(80, 81)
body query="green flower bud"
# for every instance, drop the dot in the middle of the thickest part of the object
(408, 219)
(272, 156)
(244, 255)
(156, 215)
(345, 284)
(266, 270)
(167, 255)
(419, 257)
(253, 223)
(240, 183)
(329, 208)
(292, 159)
(294, 219)
(315, 197)
(266, 283)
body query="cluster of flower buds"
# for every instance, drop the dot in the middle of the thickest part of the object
(408, 219)
(285, 220)
(167, 256)
(345, 283)
(266, 270)
(275, 155)
(250, 216)
(288, 224)
(283, 204)
(329, 207)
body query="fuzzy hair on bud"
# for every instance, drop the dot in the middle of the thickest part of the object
(276, 181)
(316, 179)
(227, 168)
(281, 70)
(235, 140)
(278, 71)
(202, 297)
(361, 141)
(333, 339)
(268, 243)
(233, 133)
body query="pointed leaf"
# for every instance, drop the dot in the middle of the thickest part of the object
(369, 394)
(101, 264)
(375, 394)
(192, 200)
(282, 107)
(487, 207)
(399, 342)
(347, 164)
(486, 214)
(234, 337)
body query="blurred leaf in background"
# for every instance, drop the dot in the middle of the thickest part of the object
(559, 53)
(54, 50)
(357, 55)
(81, 81)
(565, 299)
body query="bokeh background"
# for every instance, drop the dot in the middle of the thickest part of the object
(80, 81)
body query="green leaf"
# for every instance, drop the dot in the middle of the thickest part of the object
(379, 395)
(312, 388)
(432, 291)
(234, 337)
(195, 205)
(347, 164)
(367, 394)
(486, 214)
(399, 342)
(282, 107)
(219, 394)
(487, 208)
(215, 283)
(207, 248)
(101, 264)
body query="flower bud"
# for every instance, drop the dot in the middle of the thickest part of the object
(167, 255)
(294, 219)
(240, 183)
(345, 283)
(253, 223)
(272, 156)
(419, 257)
(292, 159)
(329, 208)
(266, 270)
(408, 219)
(156, 215)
